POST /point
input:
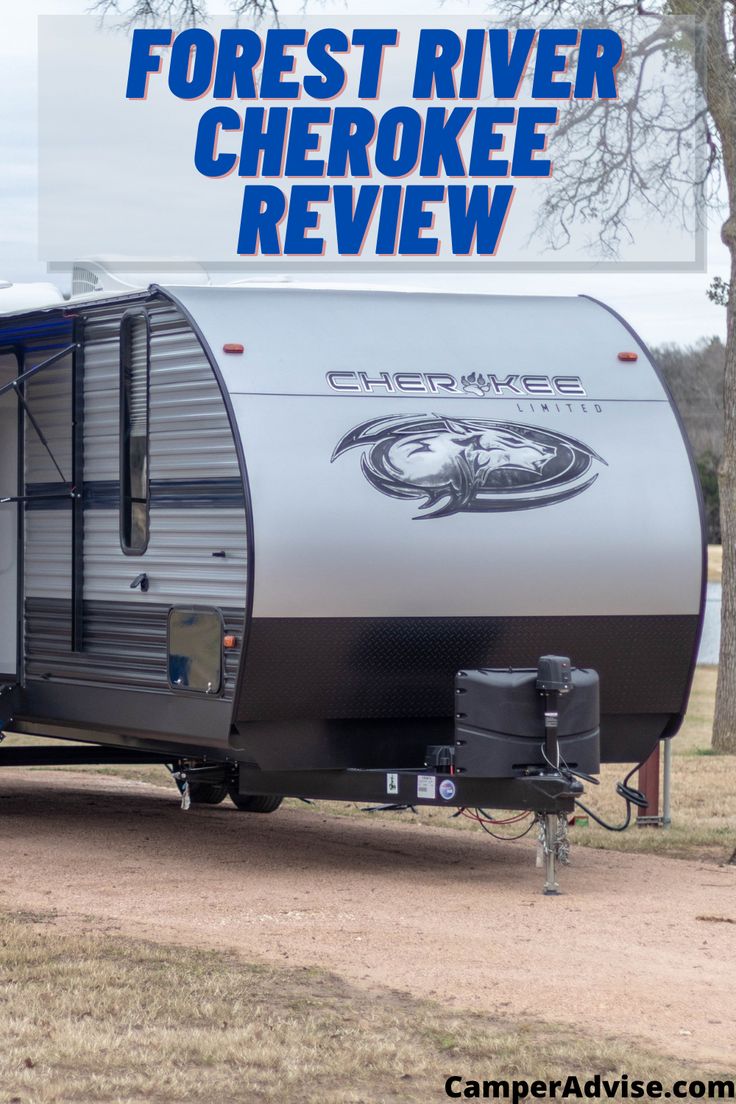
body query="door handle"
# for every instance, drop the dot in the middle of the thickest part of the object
(141, 581)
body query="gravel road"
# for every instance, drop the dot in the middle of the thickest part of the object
(432, 911)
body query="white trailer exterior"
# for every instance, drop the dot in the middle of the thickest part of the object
(370, 491)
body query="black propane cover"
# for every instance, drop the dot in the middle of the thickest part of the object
(500, 723)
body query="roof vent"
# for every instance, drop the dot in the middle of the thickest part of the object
(84, 280)
(120, 275)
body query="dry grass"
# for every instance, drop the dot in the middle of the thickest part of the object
(86, 1017)
(715, 563)
(703, 788)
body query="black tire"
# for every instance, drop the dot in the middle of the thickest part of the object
(207, 793)
(254, 803)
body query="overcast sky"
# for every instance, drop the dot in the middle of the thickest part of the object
(661, 307)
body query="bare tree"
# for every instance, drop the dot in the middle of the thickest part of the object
(177, 13)
(650, 150)
(716, 67)
(694, 374)
(649, 153)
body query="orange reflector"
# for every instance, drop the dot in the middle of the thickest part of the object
(229, 641)
(628, 356)
(233, 347)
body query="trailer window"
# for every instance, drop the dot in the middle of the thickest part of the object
(195, 650)
(135, 371)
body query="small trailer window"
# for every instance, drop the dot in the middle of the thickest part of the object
(195, 650)
(135, 370)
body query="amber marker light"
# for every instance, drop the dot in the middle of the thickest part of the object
(233, 347)
(229, 642)
(628, 356)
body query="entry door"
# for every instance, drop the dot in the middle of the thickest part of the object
(8, 522)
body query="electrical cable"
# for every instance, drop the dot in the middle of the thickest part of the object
(501, 820)
(482, 817)
(582, 775)
(508, 839)
(603, 823)
(630, 795)
(548, 761)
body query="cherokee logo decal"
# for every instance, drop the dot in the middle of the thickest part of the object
(458, 465)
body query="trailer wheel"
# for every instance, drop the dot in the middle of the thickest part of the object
(254, 803)
(207, 793)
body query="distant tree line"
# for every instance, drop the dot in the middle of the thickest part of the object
(694, 374)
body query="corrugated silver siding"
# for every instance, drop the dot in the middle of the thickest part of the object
(48, 554)
(190, 440)
(49, 397)
(190, 432)
(179, 561)
(125, 646)
(48, 532)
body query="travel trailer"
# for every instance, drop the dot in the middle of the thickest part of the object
(271, 535)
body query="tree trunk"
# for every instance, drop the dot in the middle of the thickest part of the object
(724, 723)
(715, 67)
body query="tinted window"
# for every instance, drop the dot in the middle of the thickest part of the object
(135, 370)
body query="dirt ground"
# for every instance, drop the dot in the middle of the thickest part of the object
(639, 946)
